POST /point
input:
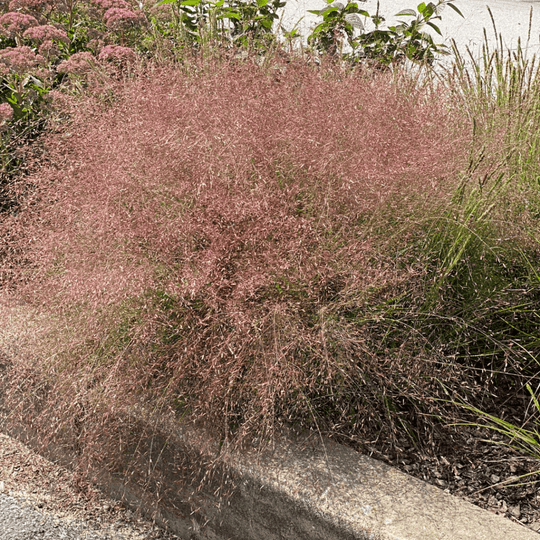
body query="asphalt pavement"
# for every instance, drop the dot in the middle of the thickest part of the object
(22, 522)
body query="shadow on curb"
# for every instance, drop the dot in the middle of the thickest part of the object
(301, 488)
(298, 489)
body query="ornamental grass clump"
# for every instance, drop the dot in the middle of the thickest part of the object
(215, 245)
(248, 243)
(487, 246)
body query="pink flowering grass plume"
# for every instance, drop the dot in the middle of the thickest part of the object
(117, 54)
(78, 64)
(123, 19)
(220, 223)
(46, 32)
(20, 59)
(13, 24)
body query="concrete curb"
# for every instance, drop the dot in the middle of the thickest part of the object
(300, 489)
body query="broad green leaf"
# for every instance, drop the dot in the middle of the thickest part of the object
(262, 3)
(421, 7)
(428, 11)
(455, 9)
(328, 10)
(400, 28)
(354, 20)
(337, 5)
(439, 8)
(36, 82)
(230, 15)
(190, 2)
(435, 27)
(407, 12)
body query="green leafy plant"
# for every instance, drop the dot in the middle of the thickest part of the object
(245, 22)
(291, 35)
(337, 27)
(190, 15)
(25, 95)
(383, 46)
(252, 22)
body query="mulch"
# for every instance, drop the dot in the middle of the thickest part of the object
(483, 473)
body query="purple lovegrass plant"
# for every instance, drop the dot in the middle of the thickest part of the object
(206, 235)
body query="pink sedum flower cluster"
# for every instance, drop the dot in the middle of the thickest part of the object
(95, 45)
(109, 4)
(14, 24)
(32, 6)
(49, 49)
(6, 113)
(118, 54)
(123, 19)
(78, 64)
(46, 32)
(20, 59)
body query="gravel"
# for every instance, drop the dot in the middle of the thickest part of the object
(41, 500)
(22, 522)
